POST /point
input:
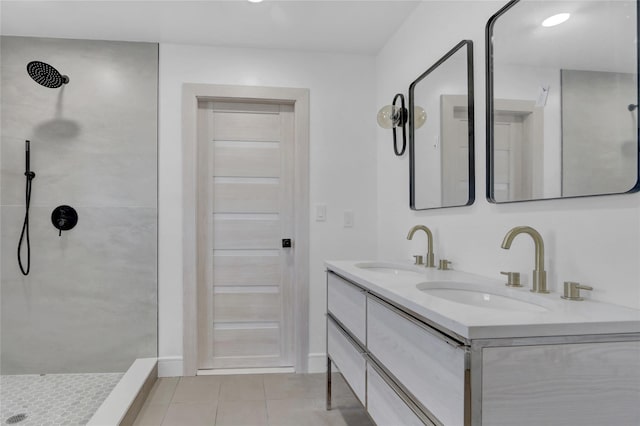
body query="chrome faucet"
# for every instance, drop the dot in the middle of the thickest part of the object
(539, 284)
(430, 261)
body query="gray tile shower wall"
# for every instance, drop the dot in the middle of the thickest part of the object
(89, 303)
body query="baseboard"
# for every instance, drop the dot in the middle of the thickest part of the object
(317, 363)
(231, 371)
(170, 366)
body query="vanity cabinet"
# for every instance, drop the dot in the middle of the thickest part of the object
(347, 303)
(408, 370)
(404, 371)
(385, 403)
(560, 382)
(350, 356)
(429, 364)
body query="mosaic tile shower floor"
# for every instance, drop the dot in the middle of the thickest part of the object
(54, 399)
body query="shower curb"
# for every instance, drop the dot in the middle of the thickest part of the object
(125, 400)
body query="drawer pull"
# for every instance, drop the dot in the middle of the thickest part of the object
(359, 346)
(441, 336)
(417, 409)
(349, 283)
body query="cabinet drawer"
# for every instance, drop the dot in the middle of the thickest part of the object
(348, 304)
(584, 384)
(429, 367)
(385, 406)
(348, 358)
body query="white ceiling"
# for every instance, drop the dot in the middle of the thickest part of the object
(361, 26)
(599, 36)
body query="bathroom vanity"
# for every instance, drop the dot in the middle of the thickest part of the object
(422, 346)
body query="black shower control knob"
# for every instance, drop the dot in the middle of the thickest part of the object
(64, 218)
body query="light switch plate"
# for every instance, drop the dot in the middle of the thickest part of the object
(321, 212)
(348, 219)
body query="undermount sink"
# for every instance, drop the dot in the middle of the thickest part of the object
(466, 294)
(388, 268)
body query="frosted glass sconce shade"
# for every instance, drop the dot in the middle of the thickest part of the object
(394, 116)
(419, 116)
(389, 117)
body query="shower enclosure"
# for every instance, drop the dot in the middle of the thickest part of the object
(88, 306)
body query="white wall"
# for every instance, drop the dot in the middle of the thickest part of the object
(592, 240)
(89, 302)
(342, 169)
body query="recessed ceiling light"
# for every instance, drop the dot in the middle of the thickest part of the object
(255, 1)
(554, 20)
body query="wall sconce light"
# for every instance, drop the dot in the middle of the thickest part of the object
(394, 116)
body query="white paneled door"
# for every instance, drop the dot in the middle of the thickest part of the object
(245, 210)
(517, 150)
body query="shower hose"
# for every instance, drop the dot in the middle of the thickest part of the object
(24, 236)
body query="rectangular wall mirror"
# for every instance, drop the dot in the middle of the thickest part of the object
(562, 99)
(441, 132)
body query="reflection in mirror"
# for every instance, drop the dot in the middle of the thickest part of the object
(441, 151)
(562, 100)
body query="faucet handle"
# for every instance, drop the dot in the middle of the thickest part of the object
(513, 279)
(572, 290)
(419, 260)
(443, 264)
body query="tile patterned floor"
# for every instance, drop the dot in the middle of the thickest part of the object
(251, 400)
(54, 399)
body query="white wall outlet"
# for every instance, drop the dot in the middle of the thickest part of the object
(348, 219)
(321, 212)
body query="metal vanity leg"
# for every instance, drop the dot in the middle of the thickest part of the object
(328, 383)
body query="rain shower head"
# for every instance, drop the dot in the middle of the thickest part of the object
(46, 75)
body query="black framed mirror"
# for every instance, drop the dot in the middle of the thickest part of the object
(562, 96)
(441, 147)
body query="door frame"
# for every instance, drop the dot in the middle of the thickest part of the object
(448, 106)
(299, 98)
(533, 121)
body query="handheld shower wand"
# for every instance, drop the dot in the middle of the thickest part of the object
(25, 225)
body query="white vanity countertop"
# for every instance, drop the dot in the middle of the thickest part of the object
(561, 317)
